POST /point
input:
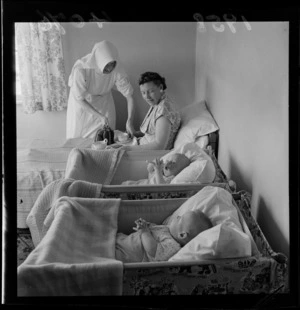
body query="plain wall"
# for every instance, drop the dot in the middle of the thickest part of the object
(165, 47)
(244, 78)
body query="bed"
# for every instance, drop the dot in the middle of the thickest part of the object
(40, 162)
(256, 269)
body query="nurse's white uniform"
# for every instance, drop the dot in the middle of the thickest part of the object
(87, 81)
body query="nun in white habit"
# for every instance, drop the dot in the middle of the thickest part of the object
(90, 103)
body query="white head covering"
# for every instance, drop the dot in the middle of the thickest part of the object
(102, 53)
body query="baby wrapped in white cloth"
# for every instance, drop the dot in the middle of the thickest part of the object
(153, 242)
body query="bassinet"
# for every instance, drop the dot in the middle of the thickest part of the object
(263, 273)
(251, 275)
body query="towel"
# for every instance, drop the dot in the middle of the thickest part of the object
(47, 198)
(96, 166)
(76, 257)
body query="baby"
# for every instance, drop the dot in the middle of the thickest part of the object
(153, 242)
(163, 172)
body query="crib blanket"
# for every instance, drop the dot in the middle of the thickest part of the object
(96, 166)
(43, 207)
(76, 257)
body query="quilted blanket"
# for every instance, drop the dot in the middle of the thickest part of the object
(76, 257)
(43, 206)
(94, 166)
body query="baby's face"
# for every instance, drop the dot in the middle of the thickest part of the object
(191, 223)
(174, 164)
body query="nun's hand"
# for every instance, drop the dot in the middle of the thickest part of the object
(105, 121)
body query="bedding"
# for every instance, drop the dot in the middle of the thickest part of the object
(39, 162)
(196, 121)
(36, 168)
(77, 251)
(200, 170)
(95, 166)
(262, 272)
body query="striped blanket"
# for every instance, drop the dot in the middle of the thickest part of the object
(76, 257)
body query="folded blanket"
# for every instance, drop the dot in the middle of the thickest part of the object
(76, 257)
(47, 198)
(94, 166)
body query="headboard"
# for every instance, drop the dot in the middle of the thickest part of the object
(214, 142)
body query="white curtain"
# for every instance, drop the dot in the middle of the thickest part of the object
(41, 67)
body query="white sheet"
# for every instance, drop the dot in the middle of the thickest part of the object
(76, 257)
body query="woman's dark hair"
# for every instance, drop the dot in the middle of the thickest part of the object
(152, 77)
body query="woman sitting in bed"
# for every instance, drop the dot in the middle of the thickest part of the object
(153, 242)
(161, 123)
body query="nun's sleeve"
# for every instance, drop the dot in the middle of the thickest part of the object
(79, 86)
(123, 84)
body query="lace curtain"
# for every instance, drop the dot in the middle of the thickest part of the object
(41, 67)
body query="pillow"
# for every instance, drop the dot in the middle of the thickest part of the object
(225, 238)
(196, 121)
(215, 202)
(202, 141)
(198, 171)
(221, 241)
(191, 150)
(201, 169)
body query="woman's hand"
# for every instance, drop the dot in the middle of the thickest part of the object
(114, 146)
(129, 128)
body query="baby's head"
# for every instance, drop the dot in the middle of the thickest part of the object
(174, 164)
(187, 226)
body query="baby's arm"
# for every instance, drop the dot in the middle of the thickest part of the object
(148, 241)
(158, 166)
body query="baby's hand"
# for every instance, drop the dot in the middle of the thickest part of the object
(150, 166)
(141, 224)
(158, 164)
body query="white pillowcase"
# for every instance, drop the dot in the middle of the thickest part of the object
(221, 241)
(200, 170)
(225, 239)
(194, 172)
(213, 201)
(196, 121)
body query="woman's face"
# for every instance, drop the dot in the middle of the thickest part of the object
(109, 67)
(151, 93)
